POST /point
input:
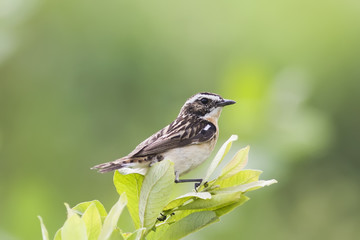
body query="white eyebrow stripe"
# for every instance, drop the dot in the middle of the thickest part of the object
(198, 96)
(191, 100)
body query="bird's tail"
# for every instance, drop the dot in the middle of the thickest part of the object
(111, 166)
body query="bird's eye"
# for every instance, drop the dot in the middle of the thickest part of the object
(204, 100)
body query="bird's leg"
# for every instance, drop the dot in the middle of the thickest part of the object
(196, 180)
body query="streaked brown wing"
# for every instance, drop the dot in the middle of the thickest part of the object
(178, 134)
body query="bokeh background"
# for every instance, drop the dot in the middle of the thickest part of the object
(83, 82)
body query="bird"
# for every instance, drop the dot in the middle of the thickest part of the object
(187, 141)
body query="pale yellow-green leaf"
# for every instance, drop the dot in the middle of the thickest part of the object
(116, 235)
(180, 215)
(135, 235)
(237, 163)
(247, 187)
(160, 230)
(81, 208)
(92, 221)
(112, 218)
(155, 192)
(74, 228)
(216, 201)
(186, 197)
(242, 177)
(131, 185)
(189, 224)
(69, 211)
(44, 232)
(58, 234)
(224, 210)
(219, 157)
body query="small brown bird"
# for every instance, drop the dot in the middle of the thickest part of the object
(187, 141)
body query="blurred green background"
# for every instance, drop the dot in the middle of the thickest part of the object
(83, 82)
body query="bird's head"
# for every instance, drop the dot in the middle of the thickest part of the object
(205, 105)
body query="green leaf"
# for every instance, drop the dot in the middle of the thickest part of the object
(112, 218)
(219, 157)
(74, 228)
(226, 209)
(180, 215)
(186, 197)
(247, 187)
(237, 163)
(81, 208)
(219, 209)
(189, 224)
(160, 230)
(135, 235)
(131, 185)
(92, 221)
(242, 177)
(155, 192)
(116, 235)
(44, 232)
(58, 234)
(217, 201)
(69, 211)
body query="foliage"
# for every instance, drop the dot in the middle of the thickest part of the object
(154, 214)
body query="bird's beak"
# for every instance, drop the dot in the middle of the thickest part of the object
(226, 102)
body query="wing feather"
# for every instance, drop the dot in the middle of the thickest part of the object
(180, 133)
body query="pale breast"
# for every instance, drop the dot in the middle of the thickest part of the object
(189, 157)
